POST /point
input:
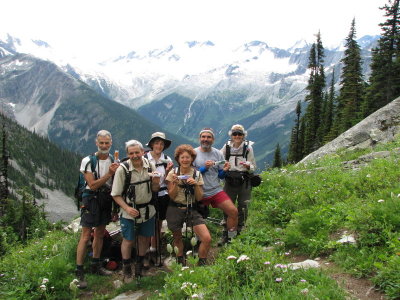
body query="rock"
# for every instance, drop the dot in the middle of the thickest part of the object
(308, 263)
(347, 239)
(380, 127)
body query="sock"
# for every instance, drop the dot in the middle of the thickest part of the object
(126, 261)
(96, 260)
(232, 234)
(79, 267)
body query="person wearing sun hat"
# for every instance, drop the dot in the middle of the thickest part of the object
(158, 143)
(240, 155)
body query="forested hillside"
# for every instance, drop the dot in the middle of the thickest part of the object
(34, 160)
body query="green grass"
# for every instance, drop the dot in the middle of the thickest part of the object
(297, 211)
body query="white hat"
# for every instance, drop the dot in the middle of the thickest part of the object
(161, 136)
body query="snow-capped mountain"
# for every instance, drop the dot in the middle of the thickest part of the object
(184, 87)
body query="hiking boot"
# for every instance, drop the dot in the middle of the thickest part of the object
(181, 260)
(224, 239)
(146, 261)
(138, 269)
(127, 272)
(155, 258)
(202, 262)
(97, 268)
(231, 235)
(82, 284)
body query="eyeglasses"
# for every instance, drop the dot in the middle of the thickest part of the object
(237, 134)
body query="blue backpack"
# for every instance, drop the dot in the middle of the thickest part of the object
(82, 184)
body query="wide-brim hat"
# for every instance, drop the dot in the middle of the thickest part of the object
(161, 136)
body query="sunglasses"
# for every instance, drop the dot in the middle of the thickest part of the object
(237, 134)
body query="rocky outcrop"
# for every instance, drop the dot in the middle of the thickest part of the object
(380, 127)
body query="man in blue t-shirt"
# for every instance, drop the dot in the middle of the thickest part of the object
(210, 162)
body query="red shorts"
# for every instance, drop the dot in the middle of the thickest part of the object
(216, 199)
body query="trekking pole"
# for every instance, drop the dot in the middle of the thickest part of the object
(158, 233)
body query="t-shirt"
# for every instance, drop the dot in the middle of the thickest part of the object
(237, 158)
(212, 184)
(180, 196)
(142, 191)
(160, 169)
(102, 167)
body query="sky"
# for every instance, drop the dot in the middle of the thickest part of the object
(105, 28)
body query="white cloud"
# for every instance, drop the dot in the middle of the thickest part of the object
(105, 27)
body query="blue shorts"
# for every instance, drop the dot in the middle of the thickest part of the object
(144, 229)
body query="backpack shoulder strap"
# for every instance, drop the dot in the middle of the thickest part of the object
(128, 175)
(245, 148)
(227, 151)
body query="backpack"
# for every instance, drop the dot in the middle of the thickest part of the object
(202, 209)
(164, 164)
(228, 151)
(129, 190)
(82, 184)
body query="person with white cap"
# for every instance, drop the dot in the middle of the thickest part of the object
(159, 143)
(240, 155)
(210, 162)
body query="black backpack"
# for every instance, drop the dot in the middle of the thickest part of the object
(228, 151)
(82, 184)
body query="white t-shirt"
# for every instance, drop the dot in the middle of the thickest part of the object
(161, 170)
(102, 167)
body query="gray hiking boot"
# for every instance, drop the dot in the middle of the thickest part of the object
(97, 268)
(127, 273)
(80, 275)
(224, 239)
(138, 269)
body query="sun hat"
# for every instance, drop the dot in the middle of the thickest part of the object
(237, 128)
(161, 136)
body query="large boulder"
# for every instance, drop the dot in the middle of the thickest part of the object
(380, 127)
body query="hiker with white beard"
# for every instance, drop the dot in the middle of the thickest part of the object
(96, 205)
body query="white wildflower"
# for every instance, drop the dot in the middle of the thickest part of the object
(43, 287)
(231, 257)
(242, 258)
(381, 200)
(45, 280)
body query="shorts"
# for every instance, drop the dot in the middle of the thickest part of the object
(96, 210)
(176, 216)
(161, 206)
(144, 229)
(216, 199)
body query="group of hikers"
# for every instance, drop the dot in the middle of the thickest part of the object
(146, 188)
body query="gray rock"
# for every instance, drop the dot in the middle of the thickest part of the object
(380, 127)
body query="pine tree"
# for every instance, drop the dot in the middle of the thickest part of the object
(352, 84)
(330, 123)
(4, 170)
(315, 96)
(385, 67)
(295, 150)
(277, 157)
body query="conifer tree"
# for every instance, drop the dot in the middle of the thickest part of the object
(277, 157)
(330, 129)
(385, 67)
(4, 170)
(315, 96)
(295, 149)
(352, 84)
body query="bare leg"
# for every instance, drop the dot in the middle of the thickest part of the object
(205, 239)
(82, 245)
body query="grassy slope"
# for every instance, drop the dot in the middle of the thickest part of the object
(299, 210)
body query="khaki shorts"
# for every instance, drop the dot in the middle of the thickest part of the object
(176, 216)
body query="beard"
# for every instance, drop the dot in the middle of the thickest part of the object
(205, 146)
(103, 151)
